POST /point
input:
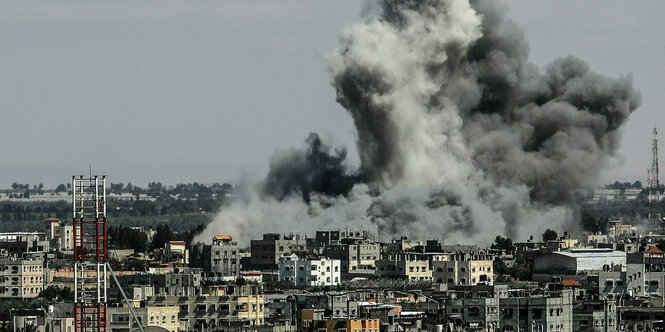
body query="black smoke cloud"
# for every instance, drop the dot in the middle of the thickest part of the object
(319, 169)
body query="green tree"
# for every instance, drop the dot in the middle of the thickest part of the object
(502, 243)
(550, 235)
(162, 235)
(53, 292)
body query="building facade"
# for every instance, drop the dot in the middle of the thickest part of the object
(21, 278)
(222, 257)
(267, 251)
(309, 272)
(464, 269)
(409, 266)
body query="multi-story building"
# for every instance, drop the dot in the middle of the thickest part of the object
(174, 252)
(473, 313)
(408, 266)
(21, 278)
(610, 284)
(552, 311)
(167, 317)
(267, 251)
(53, 318)
(616, 228)
(18, 243)
(645, 273)
(309, 272)
(222, 257)
(464, 269)
(358, 256)
(328, 237)
(180, 282)
(496, 308)
(240, 308)
(595, 314)
(59, 234)
(400, 245)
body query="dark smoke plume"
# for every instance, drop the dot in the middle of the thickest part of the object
(318, 169)
(459, 135)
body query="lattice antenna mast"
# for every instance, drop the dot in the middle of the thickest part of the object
(653, 183)
(90, 268)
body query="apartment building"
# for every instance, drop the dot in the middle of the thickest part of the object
(645, 272)
(552, 312)
(408, 266)
(167, 317)
(357, 256)
(240, 308)
(464, 269)
(21, 278)
(328, 237)
(309, 272)
(221, 257)
(267, 251)
(495, 308)
(595, 314)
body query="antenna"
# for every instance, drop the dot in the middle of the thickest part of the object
(653, 185)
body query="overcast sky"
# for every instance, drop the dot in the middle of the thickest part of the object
(207, 90)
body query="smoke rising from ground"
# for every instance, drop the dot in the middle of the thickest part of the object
(459, 136)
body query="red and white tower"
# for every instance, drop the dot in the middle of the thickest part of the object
(89, 219)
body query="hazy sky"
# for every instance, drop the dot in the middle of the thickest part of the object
(206, 90)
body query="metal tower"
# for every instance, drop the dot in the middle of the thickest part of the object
(653, 185)
(90, 268)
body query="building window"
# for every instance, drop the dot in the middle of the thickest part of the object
(536, 314)
(474, 312)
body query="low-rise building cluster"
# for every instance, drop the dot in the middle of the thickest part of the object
(346, 280)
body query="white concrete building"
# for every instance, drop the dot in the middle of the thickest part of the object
(309, 272)
(572, 261)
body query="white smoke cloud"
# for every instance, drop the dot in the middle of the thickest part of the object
(459, 136)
